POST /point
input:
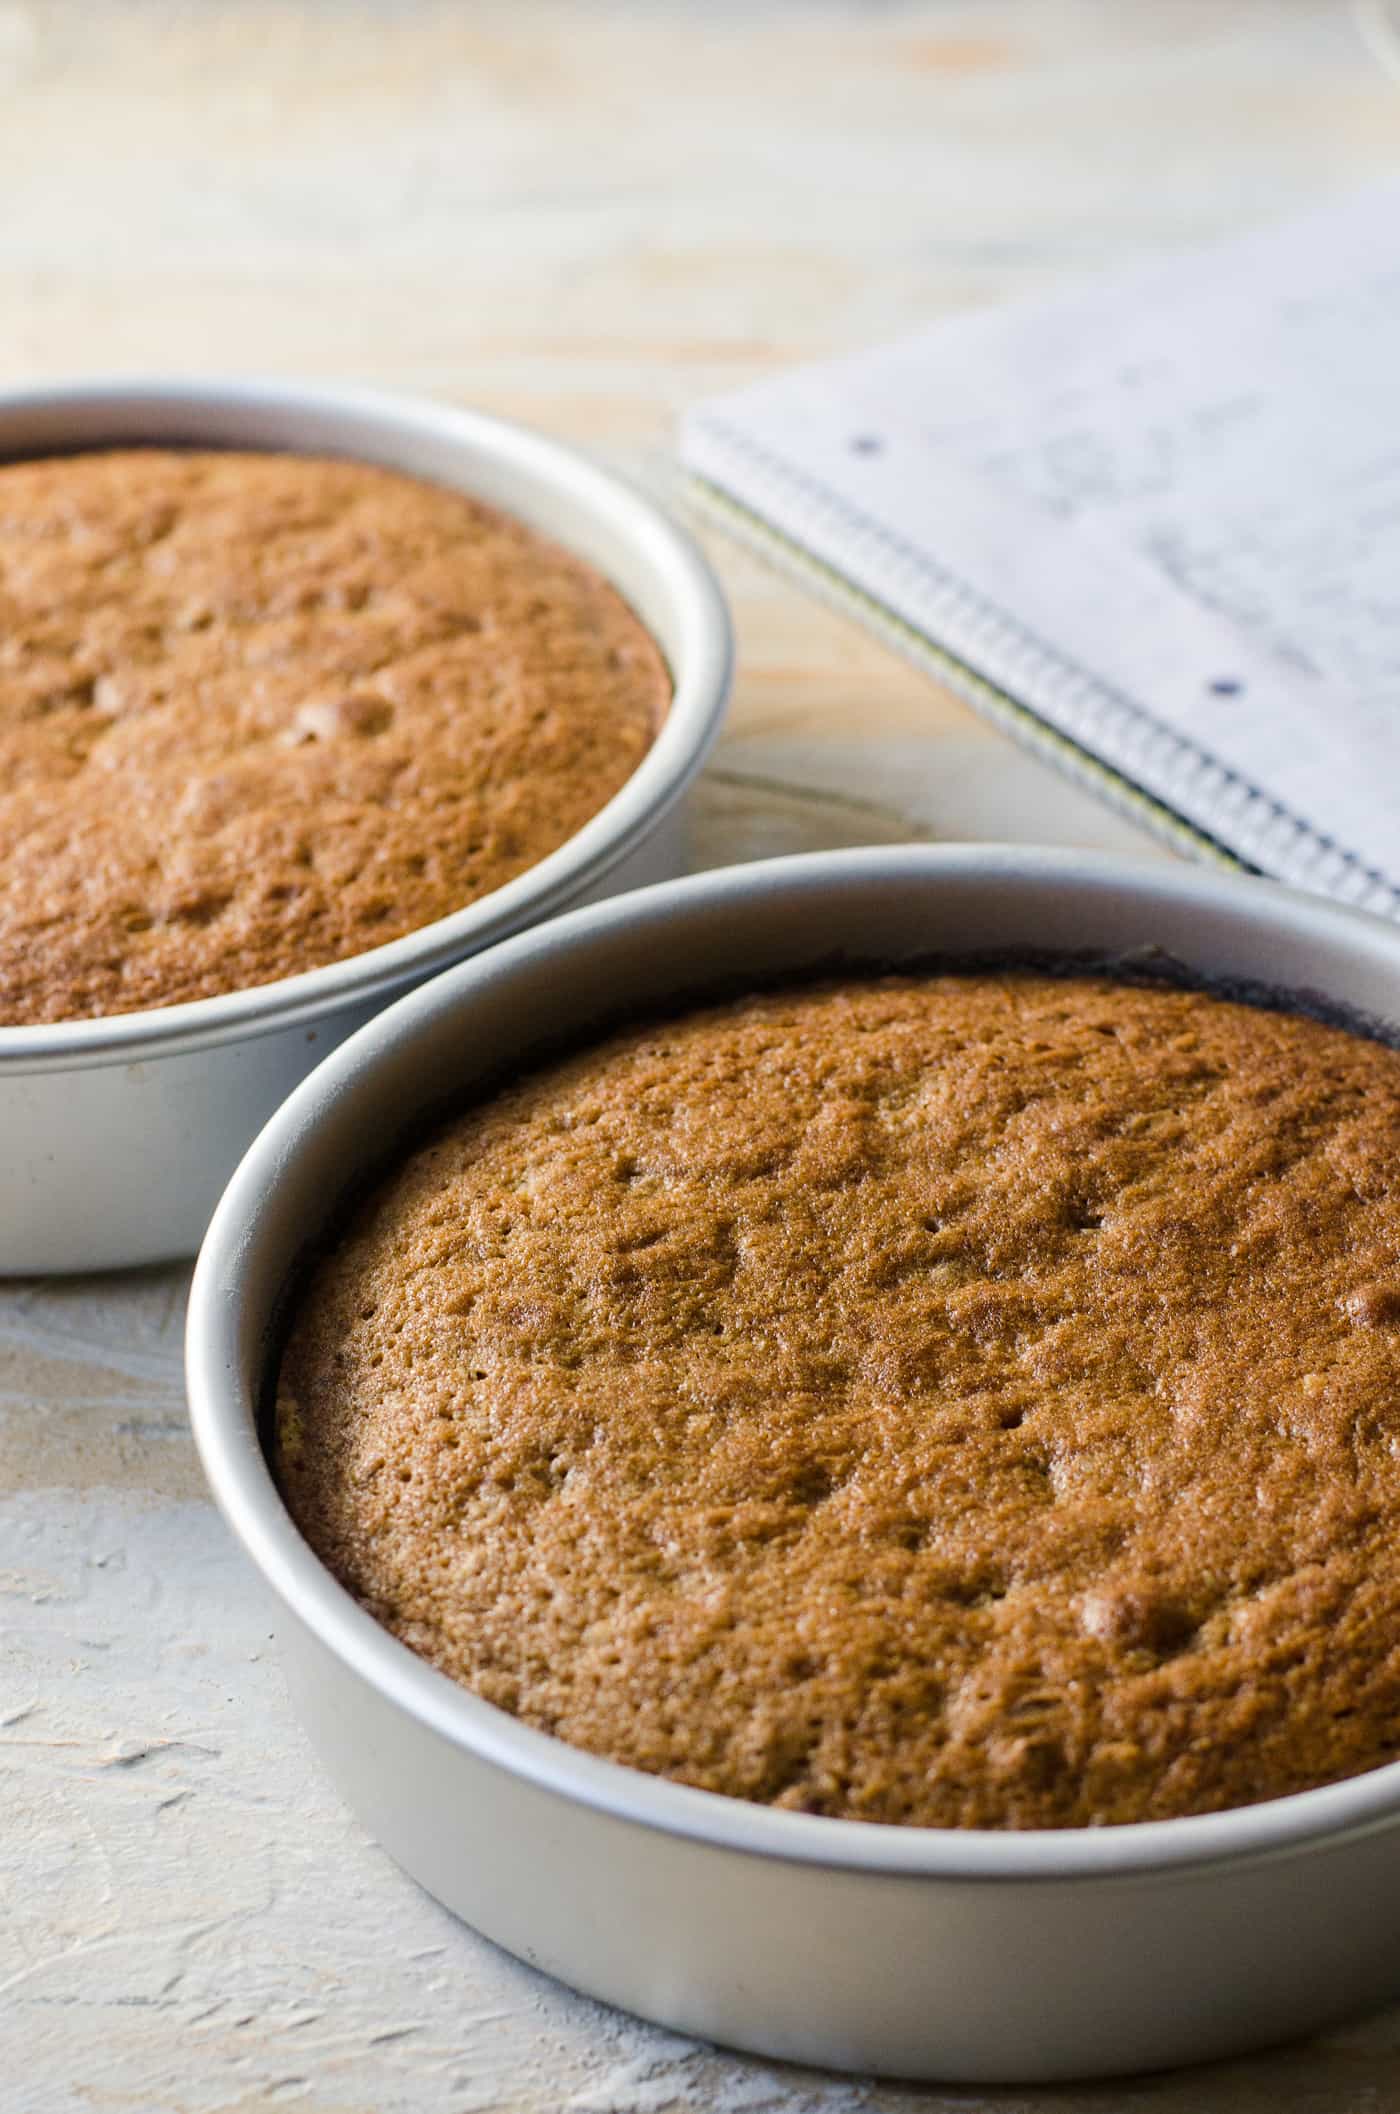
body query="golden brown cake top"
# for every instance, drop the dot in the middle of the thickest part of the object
(261, 712)
(970, 1400)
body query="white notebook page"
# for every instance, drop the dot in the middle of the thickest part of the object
(1164, 514)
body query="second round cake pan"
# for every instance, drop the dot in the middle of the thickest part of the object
(117, 1134)
(918, 1952)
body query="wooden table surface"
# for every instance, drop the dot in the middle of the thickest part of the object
(584, 216)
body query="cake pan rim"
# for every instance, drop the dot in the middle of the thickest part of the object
(244, 1489)
(83, 414)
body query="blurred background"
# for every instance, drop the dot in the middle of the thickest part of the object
(588, 216)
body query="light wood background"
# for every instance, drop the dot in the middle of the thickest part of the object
(584, 216)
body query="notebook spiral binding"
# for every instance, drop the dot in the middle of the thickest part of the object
(1097, 735)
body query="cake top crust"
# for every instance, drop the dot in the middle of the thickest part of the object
(970, 1400)
(259, 713)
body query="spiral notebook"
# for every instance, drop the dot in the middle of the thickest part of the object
(1152, 528)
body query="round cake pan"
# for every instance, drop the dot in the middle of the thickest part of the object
(915, 1952)
(117, 1134)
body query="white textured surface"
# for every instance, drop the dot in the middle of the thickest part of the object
(584, 216)
(194, 1925)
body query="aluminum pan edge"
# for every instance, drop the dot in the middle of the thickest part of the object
(108, 410)
(226, 1344)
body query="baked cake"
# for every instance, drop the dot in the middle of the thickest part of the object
(970, 1400)
(261, 712)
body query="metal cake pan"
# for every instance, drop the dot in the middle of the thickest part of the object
(909, 1951)
(117, 1134)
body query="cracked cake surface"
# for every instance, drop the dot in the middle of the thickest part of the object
(259, 713)
(959, 1399)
